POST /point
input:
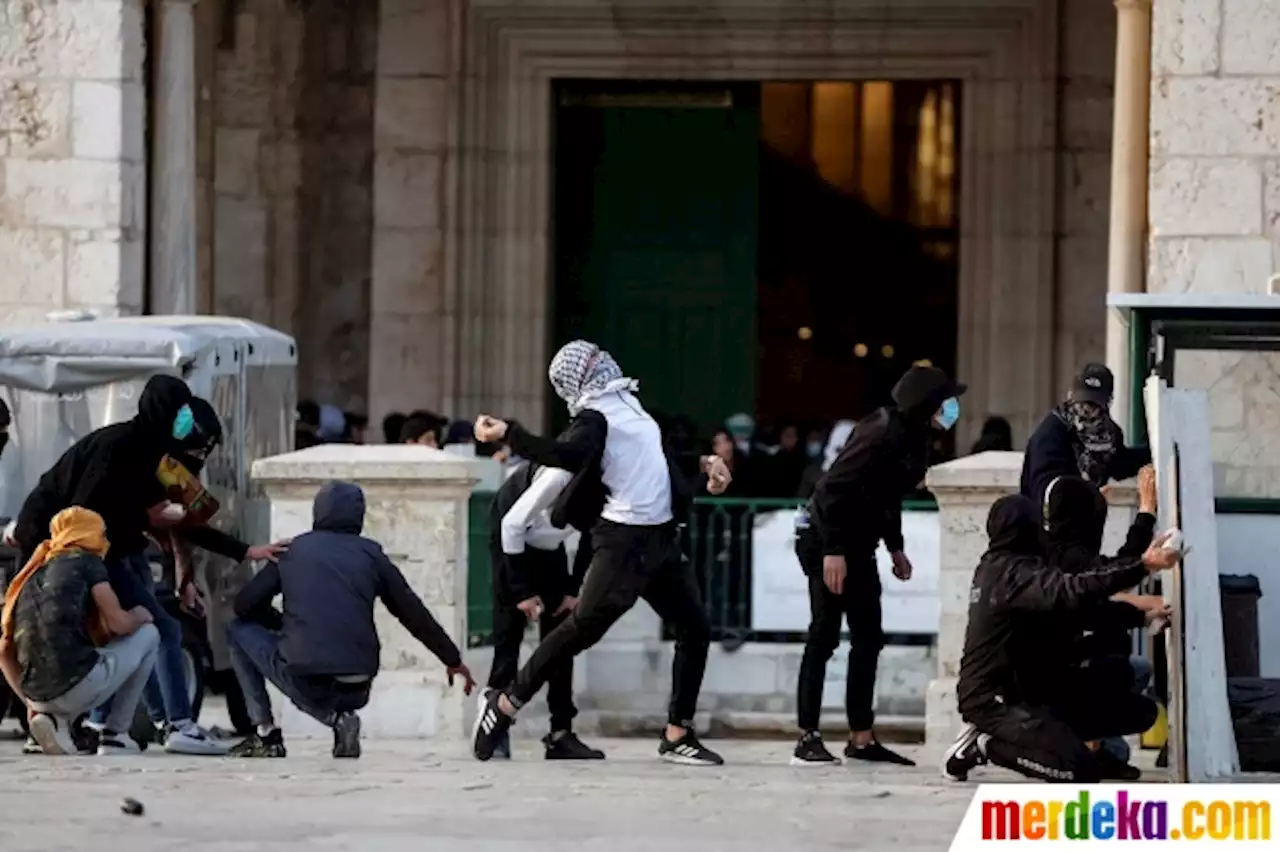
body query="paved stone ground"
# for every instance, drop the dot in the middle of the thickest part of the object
(410, 796)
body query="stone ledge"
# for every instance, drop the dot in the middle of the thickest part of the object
(374, 462)
(998, 471)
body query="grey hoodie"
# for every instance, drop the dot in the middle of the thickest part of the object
(329, 578)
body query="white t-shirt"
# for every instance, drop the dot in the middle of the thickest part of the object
(528, 521)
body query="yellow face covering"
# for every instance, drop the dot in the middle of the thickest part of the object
(73, 530)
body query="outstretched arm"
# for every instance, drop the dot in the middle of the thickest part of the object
(582, 442)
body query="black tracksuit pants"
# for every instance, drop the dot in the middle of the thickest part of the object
(859, 605)
(630, 563)
(1047, 741)
(549, 570)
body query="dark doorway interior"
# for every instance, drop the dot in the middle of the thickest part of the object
(782, 249)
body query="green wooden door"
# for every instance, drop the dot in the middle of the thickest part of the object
(656, 249)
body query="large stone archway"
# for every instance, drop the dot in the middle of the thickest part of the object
(493, 329)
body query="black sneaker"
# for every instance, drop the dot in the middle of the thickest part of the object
(873, 752)
(346, 735)
(688, 751)
(963, 755)
(256, 745)
(490, 728)
(111, 744)
(1112, 768)
(502, 750)
(568, 747)
(810, 751)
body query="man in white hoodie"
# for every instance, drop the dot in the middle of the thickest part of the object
(624, 475)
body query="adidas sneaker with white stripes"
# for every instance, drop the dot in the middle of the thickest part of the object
(491, 726)
(688, 751)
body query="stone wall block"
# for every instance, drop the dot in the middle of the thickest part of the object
(236, 161)
(1209, 116)
(413, 39)
(1210, 265)
(65, 193)
(405, 190)
(1250, 37)
(35, 118)
(1205, 197)
(408, 268)
(33, 263)
(411, 114)
(1184, 36)
(108, 121)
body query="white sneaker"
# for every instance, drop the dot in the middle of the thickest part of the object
(53, 734)
(192, 739)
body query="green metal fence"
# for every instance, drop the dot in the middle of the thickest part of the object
(718, 541)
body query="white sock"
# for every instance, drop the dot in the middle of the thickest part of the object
(264, 730)
(186, 726)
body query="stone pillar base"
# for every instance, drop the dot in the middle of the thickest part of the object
(404, 705)
(941, 717)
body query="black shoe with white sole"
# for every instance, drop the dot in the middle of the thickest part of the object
(491, 727)
(811, 751)
(566, 746)
(688, 751)
(873, 752)
(964, 755)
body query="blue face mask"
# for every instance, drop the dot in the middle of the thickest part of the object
(814, 449)
(184, 423)
(949, 413)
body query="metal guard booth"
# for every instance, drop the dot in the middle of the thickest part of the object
(62, 380)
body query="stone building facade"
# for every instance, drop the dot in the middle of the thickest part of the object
(373, 177)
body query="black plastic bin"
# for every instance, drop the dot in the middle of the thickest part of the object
(1240, 593)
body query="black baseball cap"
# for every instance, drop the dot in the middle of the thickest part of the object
(1095, 384)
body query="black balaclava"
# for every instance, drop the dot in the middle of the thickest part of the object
(1075, 514)
(159, 404)
(1012, 527)
(1093, 437)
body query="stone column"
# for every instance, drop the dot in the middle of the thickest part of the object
(416, 508)
(965, 489)
(1127, 249)
(173, 195)
(173, 192)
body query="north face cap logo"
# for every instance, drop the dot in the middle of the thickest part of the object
(1093, 382)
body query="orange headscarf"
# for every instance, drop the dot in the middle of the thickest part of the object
(73, 530)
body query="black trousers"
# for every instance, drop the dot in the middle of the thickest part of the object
(509, 623)
(1047, 741)
(630, 563)
(859, 605)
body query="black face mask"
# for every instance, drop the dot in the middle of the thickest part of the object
(4, 439)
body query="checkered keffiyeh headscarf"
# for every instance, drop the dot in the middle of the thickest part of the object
(581, 369)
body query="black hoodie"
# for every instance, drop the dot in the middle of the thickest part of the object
(1013, 589)
(330, 579)
(858, 501)
(112, 471)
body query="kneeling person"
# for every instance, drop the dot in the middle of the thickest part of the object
(1014, 588)
(322, 652)
(67, 646)
(532, 581)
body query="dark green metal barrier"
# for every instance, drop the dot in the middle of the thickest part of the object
(717, 542)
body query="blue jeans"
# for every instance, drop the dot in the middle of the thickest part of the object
(255, 658)
(165, 695)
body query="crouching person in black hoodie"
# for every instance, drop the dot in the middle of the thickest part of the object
(532, 582)
(857, 504)
(322, 652)
(1011, 722)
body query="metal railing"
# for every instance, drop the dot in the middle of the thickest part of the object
(718, 541)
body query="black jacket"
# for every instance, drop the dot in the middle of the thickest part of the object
(579, 450)
(112, 471)
(330, 578)
(1051, 452)
(1075, 514)
(1013, 589)
(858, 502)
